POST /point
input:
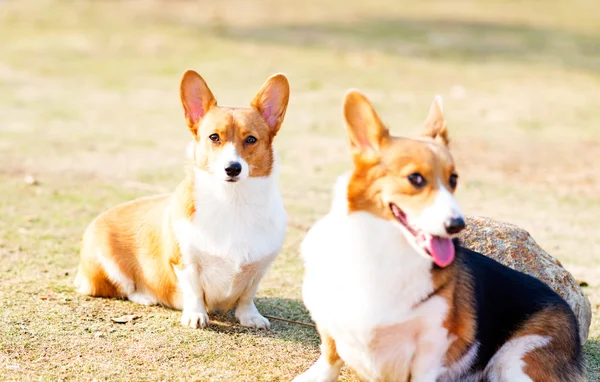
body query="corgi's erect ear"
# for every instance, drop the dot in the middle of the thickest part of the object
(365, 130)
(196, 97)
(271, 101)
(435, 124)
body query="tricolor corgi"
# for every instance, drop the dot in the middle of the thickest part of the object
(207, 245)
(397, 299)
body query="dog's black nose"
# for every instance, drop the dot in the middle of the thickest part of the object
(454, 225)
(233, 169)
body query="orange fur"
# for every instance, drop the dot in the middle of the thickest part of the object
(381, 165)
(386, 340)
(130, 236)
(383, 162)
(550, 363)
(461, 320)
(435, 124)
(136, 240)
(233, 126)
(328, 347)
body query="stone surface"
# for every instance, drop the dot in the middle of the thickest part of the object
(515, 248)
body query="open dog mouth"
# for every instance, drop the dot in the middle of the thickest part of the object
(441, 249)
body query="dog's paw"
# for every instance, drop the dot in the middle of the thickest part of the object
(321, 371)
(141, 298)
(254, 321)
(195, 320)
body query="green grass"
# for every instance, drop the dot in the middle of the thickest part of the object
(89, 106)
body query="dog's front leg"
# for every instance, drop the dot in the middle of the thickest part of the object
(427, 364)
(245, 310)
(194, 310)
(328, 366)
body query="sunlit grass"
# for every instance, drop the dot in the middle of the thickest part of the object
(89, 107)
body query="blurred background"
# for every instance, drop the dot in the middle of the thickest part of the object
(90, 117)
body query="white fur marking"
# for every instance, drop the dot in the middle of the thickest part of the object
(246, 312)
(235, 234)
(241, 222)
(189, 150)
(321, 371)
(83, 284)
(433, 217)
(340, 202)
(507, 364)
(142, 298)
(228, 155)
(194, 312)
(248, 315)
(114, 274)
(459, 369)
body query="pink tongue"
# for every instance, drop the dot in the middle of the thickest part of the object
(440, 249)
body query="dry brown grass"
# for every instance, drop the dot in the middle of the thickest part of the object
(89, 107)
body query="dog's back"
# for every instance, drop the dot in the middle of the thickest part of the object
(521, 326)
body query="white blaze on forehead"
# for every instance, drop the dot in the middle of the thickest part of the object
(228, 155)
(448, 201)
(444, 208)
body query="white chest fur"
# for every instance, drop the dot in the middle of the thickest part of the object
(236, 232)
(361, 284)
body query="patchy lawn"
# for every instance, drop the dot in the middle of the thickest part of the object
(89, 108)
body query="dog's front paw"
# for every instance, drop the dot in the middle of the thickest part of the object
(321, 371)
(254, 321)
(195, 320)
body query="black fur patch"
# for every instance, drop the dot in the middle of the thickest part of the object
(504, 299)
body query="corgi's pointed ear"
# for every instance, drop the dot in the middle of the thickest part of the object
(435, 124)
(271, 101)
(196, 97)
(365, 130)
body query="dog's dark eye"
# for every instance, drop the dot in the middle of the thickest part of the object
(214, 137)
(416, 180)
(453, 180)
(251, 140)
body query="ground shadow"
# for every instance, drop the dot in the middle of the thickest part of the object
(456, 40)
(285, 308)
(289, 309)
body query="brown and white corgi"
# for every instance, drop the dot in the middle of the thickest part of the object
(207, 245)
(397, 299)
